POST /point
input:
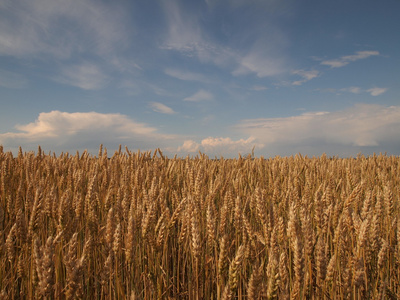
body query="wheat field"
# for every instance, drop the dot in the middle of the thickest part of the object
(140, 225)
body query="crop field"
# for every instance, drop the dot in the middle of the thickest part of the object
(140, 225)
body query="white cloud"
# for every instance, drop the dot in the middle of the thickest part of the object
(86, 76)
(306, 75)
(187, 76)
(186, 35)
(65, 131)
(161, 108)
(126, 65)
(184, 32)
(376, 91)
(189, 146)
(352, 89)
(261, 63)
(220, 145)
(201, 95)
(213, 143)
(266, 56)
(60, 28)
(363, 125)
(262, 54)
(345, 60)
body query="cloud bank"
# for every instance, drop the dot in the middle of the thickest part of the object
(218, 146)
(63, 131)
(362, 127)
(365, 128)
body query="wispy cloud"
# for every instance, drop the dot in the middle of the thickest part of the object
(161, 108)
(364, 125)
(262, 54)
(187, 76)
(186, 35)
(262, 61)
(306, 75)
(352, 89)
(376, 91)
(266, 56)
(125, 65)
(201, 95)
(65, 131)
(86, 76)
(184, 32)
(259, 64)
(60, 28)
(345, 60)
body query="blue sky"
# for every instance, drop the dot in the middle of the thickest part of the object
(215, 76)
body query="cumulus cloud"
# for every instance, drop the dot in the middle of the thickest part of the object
(201, 95)
(345, 60)
(64, 131)
(306, 75)
(220, 145)
(363, 125)
(86, 76)
(189, 146)
(161, 108)
(212, 143)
